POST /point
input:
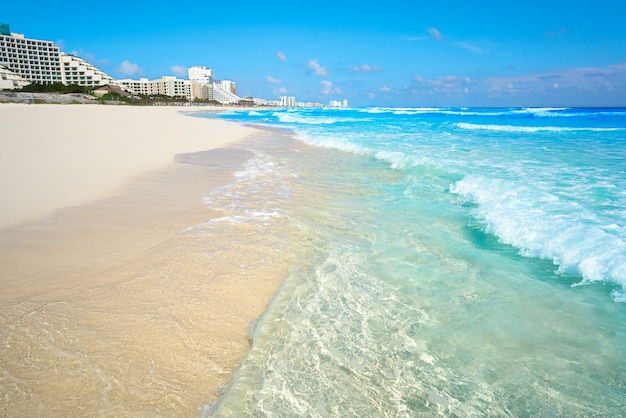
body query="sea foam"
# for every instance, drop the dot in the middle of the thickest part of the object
(419, 285)
(539, 225)
(514, 128)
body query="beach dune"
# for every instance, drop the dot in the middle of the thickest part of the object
(108, 307)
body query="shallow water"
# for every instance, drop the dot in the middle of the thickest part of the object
(437, 260)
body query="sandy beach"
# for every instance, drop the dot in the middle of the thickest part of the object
(56, 156)
(108, 306)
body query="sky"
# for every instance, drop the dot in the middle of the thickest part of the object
(385, 53)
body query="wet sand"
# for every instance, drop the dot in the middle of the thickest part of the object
(113, 306)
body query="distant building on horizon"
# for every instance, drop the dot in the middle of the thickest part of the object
(25, 60)
(288, 101)
(205, 87)
(201, 85)
(337, 103)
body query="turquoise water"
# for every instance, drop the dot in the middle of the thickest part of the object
(456, 262)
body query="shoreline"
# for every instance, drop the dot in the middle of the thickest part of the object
(109, 307)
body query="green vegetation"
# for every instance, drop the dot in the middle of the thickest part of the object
(159, 99)
(114, 97)
(207, 101)
(54, 88)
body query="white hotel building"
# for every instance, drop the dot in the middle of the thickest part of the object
(204, 86)
(24, 61)
(167, 86)
(201, 85)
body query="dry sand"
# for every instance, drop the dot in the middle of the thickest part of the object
(107, 307)
(56, 156)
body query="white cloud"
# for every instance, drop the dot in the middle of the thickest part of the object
(317, 68)
(365, 68)
(280, 91)
(95, 61)
(434, 32)
(581, 86)
(273, 80)
(610, 80)
(281, 56)
(178, 71)
(90, 58)
(471, 47)
(327, 87)
(448, 85)
(129, 69)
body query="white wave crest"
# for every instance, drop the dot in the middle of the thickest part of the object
(331, 142)
(400, 160)
(402, 110)
(540, 110)
(528, 129)
(540, 225)
(294, 118)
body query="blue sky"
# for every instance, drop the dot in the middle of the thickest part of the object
(391, 53)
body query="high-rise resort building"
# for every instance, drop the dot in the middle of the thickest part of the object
(201, 74)
(337, 103)
(288, 101)
(24, 61)
(205, 87)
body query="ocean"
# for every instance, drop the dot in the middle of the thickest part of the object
(444, 261)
